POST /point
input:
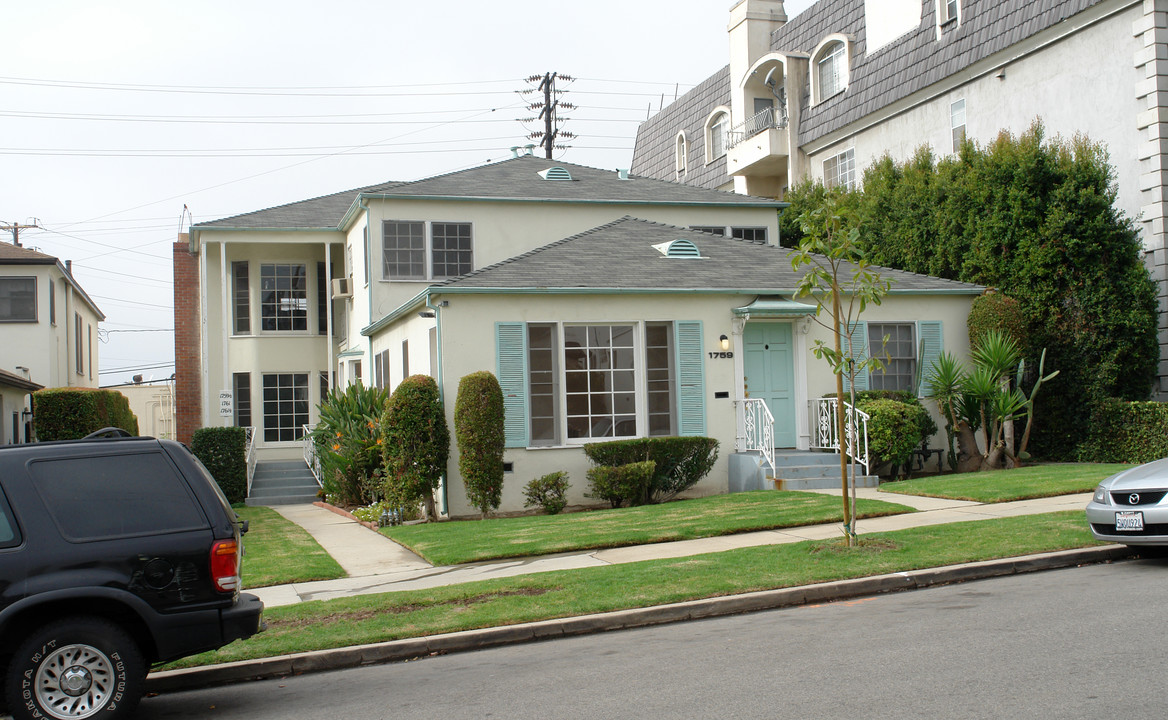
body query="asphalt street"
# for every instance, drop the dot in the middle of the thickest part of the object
(1074, 643)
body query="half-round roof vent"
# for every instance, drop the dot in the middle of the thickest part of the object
(679, 249)
(555, 173)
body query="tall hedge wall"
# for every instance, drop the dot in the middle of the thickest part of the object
(1127, 432)
(72, 413)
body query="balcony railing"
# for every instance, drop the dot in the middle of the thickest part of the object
(250, 434)
(768, 119)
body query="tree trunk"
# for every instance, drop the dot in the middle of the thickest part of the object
(431, 511)
(840, 419)
(968, 456)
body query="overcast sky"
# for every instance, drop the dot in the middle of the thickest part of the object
(117, 114)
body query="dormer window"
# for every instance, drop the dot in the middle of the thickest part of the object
(830, 68)
(680, 156)
(950, 10)
(716, 126)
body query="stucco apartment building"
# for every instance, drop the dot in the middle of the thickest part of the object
(50, 336)
(824, 94)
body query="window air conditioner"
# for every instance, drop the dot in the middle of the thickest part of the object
(342, 288)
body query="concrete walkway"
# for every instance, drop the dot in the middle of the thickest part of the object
(376, 564)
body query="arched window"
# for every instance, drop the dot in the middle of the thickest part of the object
(716, 126)
(680, 156)
(830, 69)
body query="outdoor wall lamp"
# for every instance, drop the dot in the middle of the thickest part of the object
(725, 341)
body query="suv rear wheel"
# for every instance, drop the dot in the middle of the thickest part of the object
(75, 668)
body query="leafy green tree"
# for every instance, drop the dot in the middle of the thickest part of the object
(478, 426)
(415, 443)
(843, 283)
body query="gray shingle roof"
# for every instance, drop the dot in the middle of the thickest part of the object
(13, 255)
(513, 179)
(908, 65)
(620, 256)
(653, 154)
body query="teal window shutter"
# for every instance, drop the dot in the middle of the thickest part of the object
(931, 346)
(511, 365)
(860, 350)
(691, 379)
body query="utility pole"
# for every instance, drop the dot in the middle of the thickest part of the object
(15, 229)
(549, 111)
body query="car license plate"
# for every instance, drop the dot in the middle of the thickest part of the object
(1129, 521)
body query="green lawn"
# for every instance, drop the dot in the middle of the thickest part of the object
(452, 543)
(1033, 481)
(374, 618)
(278, 551)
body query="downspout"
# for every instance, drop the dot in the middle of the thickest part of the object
(363, 202)
(780, 233)
(443, 499)
(228, 330)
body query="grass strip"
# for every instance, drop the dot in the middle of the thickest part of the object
(278, 551)
(453, 543)
(993, 486)
(364, 619)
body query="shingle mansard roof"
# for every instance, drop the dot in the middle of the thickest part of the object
(621, 256)
(515, 179)
(896, 71)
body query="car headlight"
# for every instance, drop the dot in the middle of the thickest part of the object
(1101, 496)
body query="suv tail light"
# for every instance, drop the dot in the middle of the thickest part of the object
(225, 565)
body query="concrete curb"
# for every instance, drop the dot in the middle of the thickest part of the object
(398, 650)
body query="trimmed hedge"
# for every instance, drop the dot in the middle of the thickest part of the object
(996, 311)
(1126, 432)
(927, 425)
(547, 492)
(72, 413)
(623, 483)
(415, 442)
(223, 451)
(680, 461)
(894, 430)
(478, 426)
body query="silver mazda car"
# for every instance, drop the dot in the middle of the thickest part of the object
(1129, 507)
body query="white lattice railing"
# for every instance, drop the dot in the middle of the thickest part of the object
(310, 451)
(756, 429)
(826, 433)
(251, 455)
(766, 119)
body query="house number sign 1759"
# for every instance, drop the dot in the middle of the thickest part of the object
(721, 355)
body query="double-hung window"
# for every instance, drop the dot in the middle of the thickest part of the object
(567, 383)
(957, 123)
(898, 353)
(241, 298)
(284, 297)
(18, 299)
(840, 170)
(418, 250)
(831, 70)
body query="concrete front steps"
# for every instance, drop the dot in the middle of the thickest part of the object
(282, 482)
(794, 470)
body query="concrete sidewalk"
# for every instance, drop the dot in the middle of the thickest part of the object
(376, 564)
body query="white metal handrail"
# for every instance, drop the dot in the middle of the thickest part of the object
(765, 119)
(310, 456)
(250, 433)
(826, 435)
(756, 428)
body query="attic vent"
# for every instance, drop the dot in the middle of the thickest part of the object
(555, 173)
(679, 249)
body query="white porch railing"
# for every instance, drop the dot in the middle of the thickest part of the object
(756, 429)
(251, 455)
(310, 452)
(764, 120)
(826, 433)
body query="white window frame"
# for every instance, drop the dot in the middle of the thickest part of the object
(948, 11)
(308, 328)
(839, 170)
(957, 123)
(717, 123)
(728, 231)
(824, 51)
(876, 348)
(297, 432)
(681, 150)
(427, 250)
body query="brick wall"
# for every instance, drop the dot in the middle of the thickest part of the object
(188, 393)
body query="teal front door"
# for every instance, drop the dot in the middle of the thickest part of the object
(769, 369)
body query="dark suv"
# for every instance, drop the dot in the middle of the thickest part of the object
(115, 553)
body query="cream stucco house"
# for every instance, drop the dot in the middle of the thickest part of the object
(608, 305)
(50, 333)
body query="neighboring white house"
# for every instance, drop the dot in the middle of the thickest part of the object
(153, 404)
(15, 410)
(49, 326)
(825, 94)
